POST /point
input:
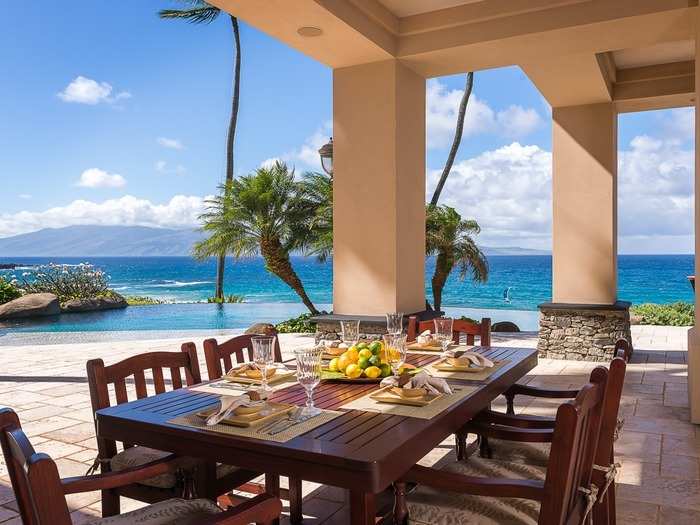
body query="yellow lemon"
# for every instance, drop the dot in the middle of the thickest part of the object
(353, 371)
(343, 362)
(353, 354)
(373, 372)
(333, 365)
(366, 353)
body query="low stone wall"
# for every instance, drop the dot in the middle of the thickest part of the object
(330, 330)
(582, 332)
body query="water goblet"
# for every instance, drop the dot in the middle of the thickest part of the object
(309, 376)
(395, 351)
(263, 346)
(443, 331)
(394, 323)
(350, 331)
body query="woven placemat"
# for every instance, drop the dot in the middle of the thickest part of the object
(438, 353)
(193, 421)
(469, 376)
(368, 404)
(229, 388)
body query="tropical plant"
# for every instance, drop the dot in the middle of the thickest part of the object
(8, 291)
(297, 325)
(264, 212)
(450, 239)
(230, 298)
(317, 189)
(82, 281)
(674, 314)
(201, 12)
(142, 300)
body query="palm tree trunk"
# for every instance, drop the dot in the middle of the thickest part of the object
(456, 141)
(277, 261)
(230, 140)
(443, 267)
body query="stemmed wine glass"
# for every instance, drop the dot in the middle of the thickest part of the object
(394, 323)
(263, 346)
(309, 376)
(443, 331)
(350, 331)
(395, 348)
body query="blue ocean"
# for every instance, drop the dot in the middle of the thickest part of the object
(527, 280)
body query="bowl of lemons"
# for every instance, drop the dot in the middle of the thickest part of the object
(363, 362)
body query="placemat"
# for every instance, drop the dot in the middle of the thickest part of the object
(469, 376)
(368, 404)
(438, 353)
(193, 421)
(228, 388)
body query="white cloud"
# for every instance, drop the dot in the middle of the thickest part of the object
(25, 196)
(679, 124)
(162, 166)
(170, 143)
(180, 212)
(442, 106)
(97, 178)
(84, 90)
(269, 163)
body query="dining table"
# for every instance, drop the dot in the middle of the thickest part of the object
(361, 451)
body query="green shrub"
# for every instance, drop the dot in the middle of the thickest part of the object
(8, 291)
(675, 314)
(297, 325)
(141, 300)
(231, 298)
(82, 281)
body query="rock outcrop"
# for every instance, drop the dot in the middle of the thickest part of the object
(94, 304)
(262, 329)
(31, 305)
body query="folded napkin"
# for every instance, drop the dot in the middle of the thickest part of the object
(475, 358)
(424, 338)
(433, 385)
(228, 405)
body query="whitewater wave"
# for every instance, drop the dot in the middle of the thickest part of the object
(174, 284)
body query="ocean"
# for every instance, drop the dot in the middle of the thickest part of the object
(641, 278)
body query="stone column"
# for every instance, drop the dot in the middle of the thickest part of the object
(378, 189)
(584, 318)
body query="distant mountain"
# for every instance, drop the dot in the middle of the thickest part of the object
(135, 241)
(95, 241)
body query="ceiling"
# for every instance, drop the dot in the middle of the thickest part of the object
(403, 8)
(664, 53)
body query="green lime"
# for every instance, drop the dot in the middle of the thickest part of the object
(375, 347)
(386, 370)
(363, 362)
(375, 360)
(361, 345)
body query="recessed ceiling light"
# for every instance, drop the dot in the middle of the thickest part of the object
(310, 31)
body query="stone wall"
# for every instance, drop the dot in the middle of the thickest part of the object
(582, 332)
(330, 330)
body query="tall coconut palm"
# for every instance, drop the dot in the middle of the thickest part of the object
(449, 238)
(264, 212)
(318, 192)
(457, 140)
(201, 12)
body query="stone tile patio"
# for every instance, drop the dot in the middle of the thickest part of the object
(659, 448)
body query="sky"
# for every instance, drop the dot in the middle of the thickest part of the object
(113, 116)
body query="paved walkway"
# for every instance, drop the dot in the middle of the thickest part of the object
(659, 449)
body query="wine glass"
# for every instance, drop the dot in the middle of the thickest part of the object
(309, 376)
(443, 331)
(263, 346)
(395, 351)
(394, 323)
(350, 331)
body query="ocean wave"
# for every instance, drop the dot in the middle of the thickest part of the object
(173, 284)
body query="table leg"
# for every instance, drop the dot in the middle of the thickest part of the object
(362, 508)
(272, 486)
(295, 497)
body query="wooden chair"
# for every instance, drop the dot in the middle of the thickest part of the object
(561, 495)
(41, 493)
(459, 327)
(220, 358)
(504, 428)
(190, 476)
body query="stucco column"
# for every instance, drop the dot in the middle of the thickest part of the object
(378, 189)
(584, 222)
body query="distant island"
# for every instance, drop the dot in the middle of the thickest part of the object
(131, 241)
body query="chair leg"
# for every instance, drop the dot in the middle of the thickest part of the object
(110, 503)
(272, 487)
(461, 445)
(400, 508)
(485, 450)
(295, 497)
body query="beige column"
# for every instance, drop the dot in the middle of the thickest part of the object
(693, 335)
(584, 193)
(378, 189)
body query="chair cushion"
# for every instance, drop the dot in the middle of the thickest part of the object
(427, 506)
(168, 512)
(517, 452)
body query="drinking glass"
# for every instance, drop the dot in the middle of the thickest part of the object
(263, 353)
(395, 350)
(309, 375)
(394, 323)
(350, 331)
(443, 331)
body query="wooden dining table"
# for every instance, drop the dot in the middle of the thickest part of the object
(363, 452)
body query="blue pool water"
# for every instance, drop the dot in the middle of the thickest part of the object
(642, 278)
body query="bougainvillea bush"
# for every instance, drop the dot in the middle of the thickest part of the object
(8, 291)
(81, 281)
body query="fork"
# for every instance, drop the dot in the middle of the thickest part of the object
(289, 424)
(292, 415)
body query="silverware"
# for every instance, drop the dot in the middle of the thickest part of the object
(291, 424)
(293, 414)
(230, 386)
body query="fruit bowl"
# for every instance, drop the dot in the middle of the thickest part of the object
(362, 362)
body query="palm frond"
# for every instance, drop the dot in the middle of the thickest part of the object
(195, 15)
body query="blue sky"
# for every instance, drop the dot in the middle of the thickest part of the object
(111, 115)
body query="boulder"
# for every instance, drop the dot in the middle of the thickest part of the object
(94, 304)
(505, 326)
(31, 305)
(262, 329)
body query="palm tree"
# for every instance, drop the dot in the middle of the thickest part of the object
(201, 12)
(318, 191)
(450, 238)
(457, 139)
(266, 213)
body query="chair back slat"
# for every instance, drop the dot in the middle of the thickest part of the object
(221, 357)
(120, 391)
(574, 443)
(140, 381)
(175, 378)
(159, 381)
(34, 477)
(460, 327)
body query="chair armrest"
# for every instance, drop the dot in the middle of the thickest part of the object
(524, 435)
(478, 486)
(499, 418)
(110, 480)
(261, 509)
(525, 390)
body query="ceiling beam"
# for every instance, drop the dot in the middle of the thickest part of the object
(661, 86)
